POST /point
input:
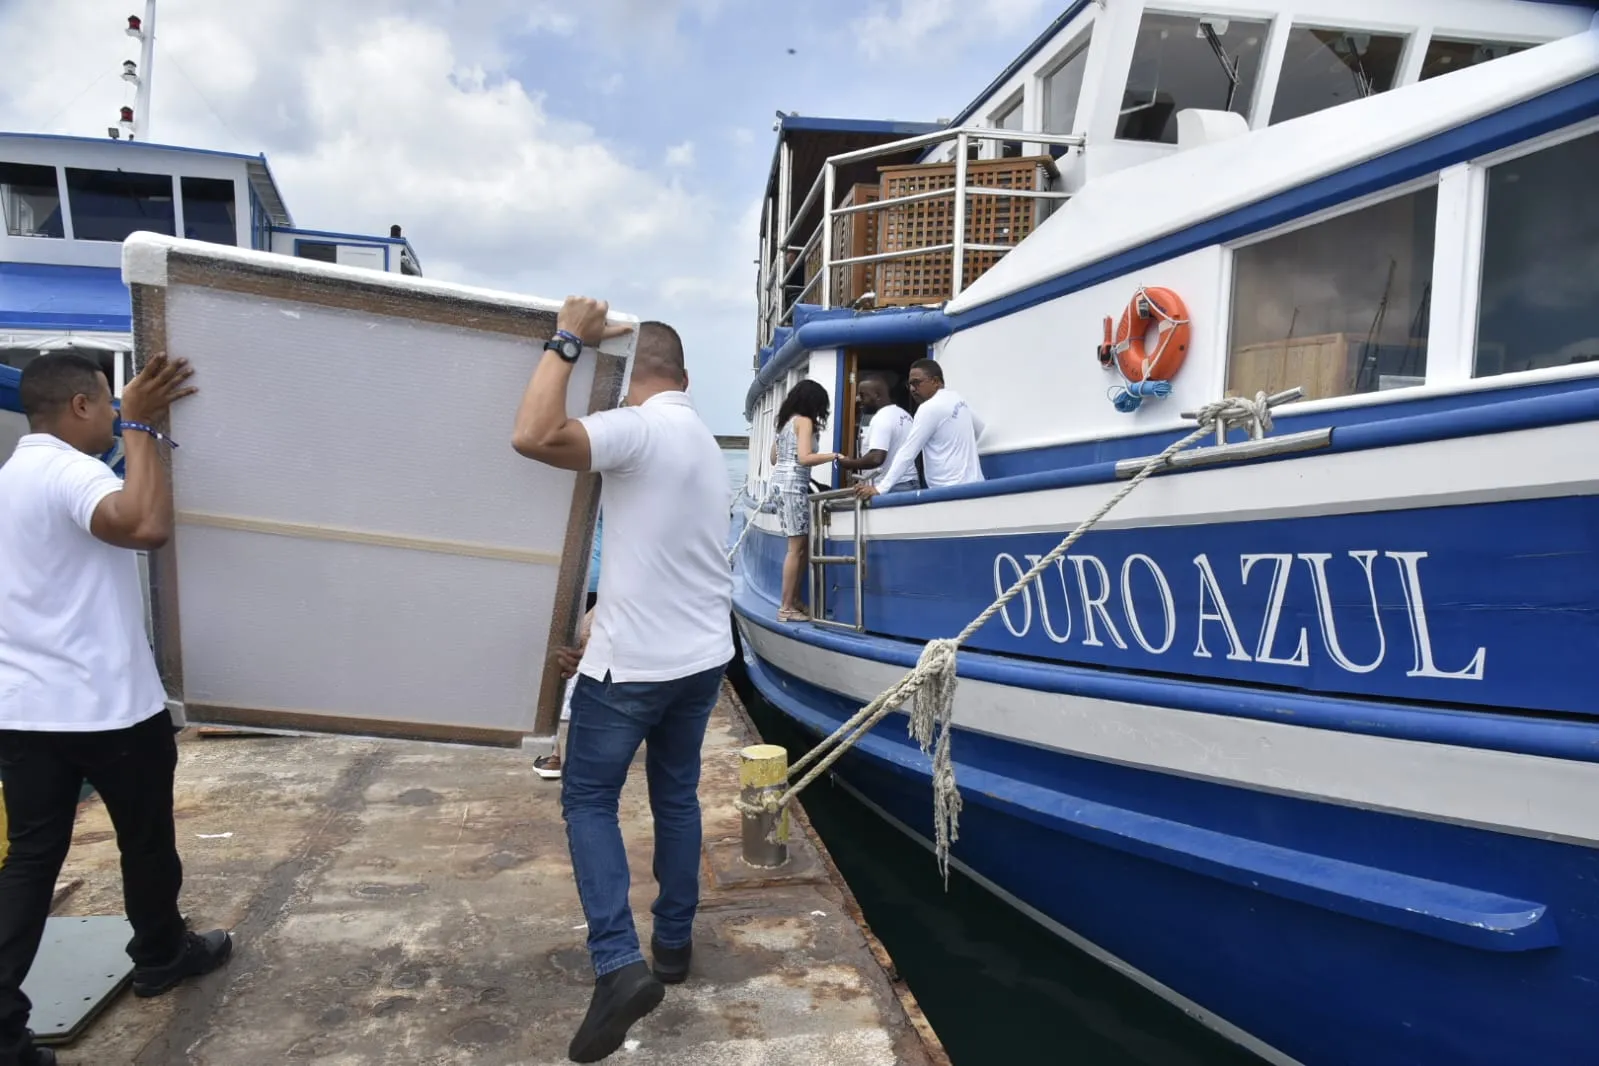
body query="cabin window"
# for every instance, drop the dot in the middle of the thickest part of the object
(1063, 87)
(1444, 56)
(321, 251)
(1325, 68)
(108, 205)
(209, 212)
(30, 201)
(1183, 61)
(1540, 261)
(1337, 308)
(1010, 118)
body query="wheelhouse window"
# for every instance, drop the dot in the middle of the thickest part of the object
(30, 201)
(108, 205)
(1063, 87)
(1010, 118)
(1444, 56)
(1540, 261)
(1183, 61)
(321, 251)
(209, 212)
(1338, 308)
(1325, 68)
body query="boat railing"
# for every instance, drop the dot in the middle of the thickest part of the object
(788, 257)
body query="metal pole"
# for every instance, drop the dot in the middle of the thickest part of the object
(957, 272)
(763, 772)
(827, 237)
(860, 565)
(141, 98)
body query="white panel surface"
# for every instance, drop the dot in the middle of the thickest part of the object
(358, 547)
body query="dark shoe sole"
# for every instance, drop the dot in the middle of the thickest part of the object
(614, 1035)
(150, 991)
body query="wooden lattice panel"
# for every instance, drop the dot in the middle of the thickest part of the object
(1000, 220)
(853, 236)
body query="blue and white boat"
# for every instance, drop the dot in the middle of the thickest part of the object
(1304, 736)
(69, 202)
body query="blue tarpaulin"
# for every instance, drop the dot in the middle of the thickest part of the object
(43, 297)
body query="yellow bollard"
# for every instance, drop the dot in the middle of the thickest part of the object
(763, 772)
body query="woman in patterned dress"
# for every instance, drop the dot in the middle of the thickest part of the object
(802, 415)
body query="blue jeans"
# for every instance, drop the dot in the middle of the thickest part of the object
(609, 721)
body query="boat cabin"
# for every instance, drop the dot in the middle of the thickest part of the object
(69, 202)
(878, 239)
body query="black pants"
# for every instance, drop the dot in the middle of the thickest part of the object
(43, 773)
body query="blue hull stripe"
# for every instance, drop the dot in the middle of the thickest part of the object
(1441, 725)
(1565, 106)
(1485, 921)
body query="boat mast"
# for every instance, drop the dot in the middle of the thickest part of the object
(136, 121)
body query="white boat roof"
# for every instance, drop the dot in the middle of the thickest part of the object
(1129, 208)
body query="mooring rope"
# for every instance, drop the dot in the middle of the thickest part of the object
(932, 681)
(744, 494)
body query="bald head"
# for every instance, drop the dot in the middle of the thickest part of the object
(657, 362)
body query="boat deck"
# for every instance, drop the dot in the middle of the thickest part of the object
(413, 903)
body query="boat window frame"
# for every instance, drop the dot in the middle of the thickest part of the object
(1415, 39)
(1081, 44)
(1226, 290)
(1268, 63)
(1015, 103)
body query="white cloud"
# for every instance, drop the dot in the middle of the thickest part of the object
(902, 27)
(680, 155)
(374, 112)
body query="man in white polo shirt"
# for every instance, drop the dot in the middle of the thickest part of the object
(885, 437)
(80, 696)
(943, 432)
(652, 668)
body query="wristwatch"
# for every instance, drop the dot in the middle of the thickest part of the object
(566, 345)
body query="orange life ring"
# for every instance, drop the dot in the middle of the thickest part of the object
(1127, 346)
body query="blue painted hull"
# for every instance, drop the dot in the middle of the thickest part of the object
(1320, 965)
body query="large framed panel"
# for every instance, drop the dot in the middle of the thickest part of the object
(358, 548)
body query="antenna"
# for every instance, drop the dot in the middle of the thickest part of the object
(135, 121)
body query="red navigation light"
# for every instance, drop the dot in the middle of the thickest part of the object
(134, 23)
(127, 114)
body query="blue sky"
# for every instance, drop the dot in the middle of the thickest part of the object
(614, 147)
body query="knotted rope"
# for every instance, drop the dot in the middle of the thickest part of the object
(932, 681)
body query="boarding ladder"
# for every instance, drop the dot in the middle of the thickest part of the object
(822, 505)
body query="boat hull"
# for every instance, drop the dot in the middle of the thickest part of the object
(1366, 910)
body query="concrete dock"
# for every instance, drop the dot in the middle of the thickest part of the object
(407, 903)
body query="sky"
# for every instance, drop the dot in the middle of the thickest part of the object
(616, 148)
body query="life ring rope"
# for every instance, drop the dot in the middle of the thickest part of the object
(1146, 371)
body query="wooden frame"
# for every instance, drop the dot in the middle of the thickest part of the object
(259, 274)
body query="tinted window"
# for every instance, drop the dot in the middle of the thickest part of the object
(1010, 119)
(208, 211)
(30, 200)
(1444, 56)
(1337, 308)
(1324, 68)
(1540, 262)
(107, 205)
(1063, 86)
(1181, 61)
(321, 251)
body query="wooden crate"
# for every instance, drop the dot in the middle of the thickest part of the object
(1323, 365)
(853, 235)
(1000, 220)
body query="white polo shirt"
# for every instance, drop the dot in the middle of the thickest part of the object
(944, 432)
(73, 652)
(664, 605)
(888, 429)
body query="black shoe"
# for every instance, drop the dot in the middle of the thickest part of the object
(27, 1054)
(621, 998)
(202, 953)
(671, 964)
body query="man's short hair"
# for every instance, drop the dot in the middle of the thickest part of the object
(51, 381)
(659, 353)
(931, 368)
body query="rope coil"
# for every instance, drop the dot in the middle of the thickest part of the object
(933, 680)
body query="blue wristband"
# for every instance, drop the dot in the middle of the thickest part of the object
(566, 334)
(157, 434)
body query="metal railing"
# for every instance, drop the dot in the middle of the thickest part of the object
(822, 505)
(781, 270)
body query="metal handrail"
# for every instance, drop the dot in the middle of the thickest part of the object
(821, 503)
(824, 186)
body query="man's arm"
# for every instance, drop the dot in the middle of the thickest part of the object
(870, 461)
(140, 515)
(543, 430)
(927, 419)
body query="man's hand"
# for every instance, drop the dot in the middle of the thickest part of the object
(568, 658)
(866, 492)
(584, 318)
(153, 391)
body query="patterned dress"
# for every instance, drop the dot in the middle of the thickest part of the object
(793, 483)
